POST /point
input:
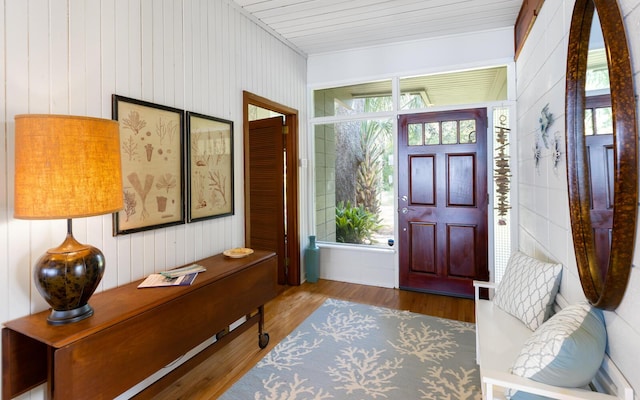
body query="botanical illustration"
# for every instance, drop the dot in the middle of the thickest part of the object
(151, 138)
(210, 166)
(346, 350)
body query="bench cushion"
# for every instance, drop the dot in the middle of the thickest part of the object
(567, 350)
(500, 337)
(528, 289)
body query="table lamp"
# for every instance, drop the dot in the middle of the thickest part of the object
(67, 167)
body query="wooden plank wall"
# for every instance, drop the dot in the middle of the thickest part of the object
(69, 57)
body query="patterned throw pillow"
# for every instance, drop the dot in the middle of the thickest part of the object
(528, 289)
(565, 351)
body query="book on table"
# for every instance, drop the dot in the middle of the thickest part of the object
(175, 277)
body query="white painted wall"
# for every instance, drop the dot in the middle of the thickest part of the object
(545, 228)
(357, 264)
(418, 57)
(69, 57)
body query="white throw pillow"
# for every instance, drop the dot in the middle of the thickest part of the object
(528, 289)
(565, 351)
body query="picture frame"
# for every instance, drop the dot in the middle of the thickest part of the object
(152, 153)
(209, 167)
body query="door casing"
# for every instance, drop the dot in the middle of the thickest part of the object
(291, 198)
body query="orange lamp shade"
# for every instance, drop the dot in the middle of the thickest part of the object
(66, 167)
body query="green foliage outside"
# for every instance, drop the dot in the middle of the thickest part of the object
(355, 224)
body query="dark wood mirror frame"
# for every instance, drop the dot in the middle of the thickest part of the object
(603, 289)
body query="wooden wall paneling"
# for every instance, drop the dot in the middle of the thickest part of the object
(174, 17)
(78, 87)
(178, 32)
(94, 94)
(93, 62)
(77, 60)
(227, 72)
(38, 50)
(217, 65)
(4, 210)
(133, 49)
(16, 45)
(526, 18)
(171, 53)
(70, 57)
(107, 54)
(203, 78)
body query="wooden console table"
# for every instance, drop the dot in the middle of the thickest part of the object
(136, 332)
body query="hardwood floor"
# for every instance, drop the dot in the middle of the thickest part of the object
(283, 314)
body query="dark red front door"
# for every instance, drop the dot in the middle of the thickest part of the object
(443, 201)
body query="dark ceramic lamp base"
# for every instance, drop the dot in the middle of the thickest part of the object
(66, 277)
(66, 317)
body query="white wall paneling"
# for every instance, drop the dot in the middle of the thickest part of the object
(69, 57)
(545, 227)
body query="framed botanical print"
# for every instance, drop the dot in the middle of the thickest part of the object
(152, 152)
(209, 167)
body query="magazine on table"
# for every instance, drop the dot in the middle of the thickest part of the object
(159, 280)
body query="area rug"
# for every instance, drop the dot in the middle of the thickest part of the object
(346, 350)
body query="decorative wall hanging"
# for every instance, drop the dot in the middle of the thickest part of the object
(537, 153)
(502, 174)
(556, 156)
(546, 120)
(210, 167)
(151, 145)
(542, 140)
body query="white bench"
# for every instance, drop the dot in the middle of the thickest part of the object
(499, 339)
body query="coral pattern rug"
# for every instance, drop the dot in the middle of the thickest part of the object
(346, 350)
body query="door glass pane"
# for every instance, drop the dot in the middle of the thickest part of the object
(432, 133)
(353, 180)
(449, 132)
(462, 87)
(354, 99)
(588, 121)
(604, 122)
(468, 131)
(415, 134)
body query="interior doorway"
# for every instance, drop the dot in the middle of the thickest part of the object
(271, 184)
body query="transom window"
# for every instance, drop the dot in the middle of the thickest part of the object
(442, 132)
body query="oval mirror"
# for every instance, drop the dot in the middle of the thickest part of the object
(603, 235)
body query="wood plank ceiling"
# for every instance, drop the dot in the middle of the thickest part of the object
(318, 26)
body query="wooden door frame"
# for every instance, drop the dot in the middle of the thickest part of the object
(292, 215)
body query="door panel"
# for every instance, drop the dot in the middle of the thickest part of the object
(462, 256)
(442, 185)
(601, 155)
(461, 183)
(267, 190)
(422, 169)
(423, 247)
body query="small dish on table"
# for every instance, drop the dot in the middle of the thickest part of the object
(238, 252)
